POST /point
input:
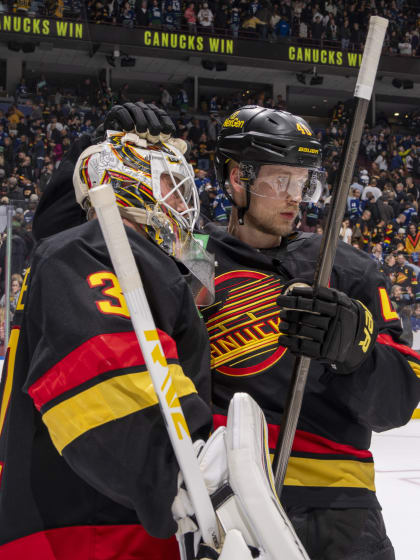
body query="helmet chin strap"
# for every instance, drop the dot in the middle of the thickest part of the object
(250, 173)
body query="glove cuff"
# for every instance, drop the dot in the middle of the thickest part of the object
(363, 343)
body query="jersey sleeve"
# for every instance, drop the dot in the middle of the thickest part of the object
(89, 381)
(385, 390)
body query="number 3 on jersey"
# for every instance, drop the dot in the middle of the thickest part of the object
(115, 304)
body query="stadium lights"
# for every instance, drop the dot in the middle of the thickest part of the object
(396, 83)
(301, 78)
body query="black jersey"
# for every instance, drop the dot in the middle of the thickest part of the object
(331, 465)
(84, 453)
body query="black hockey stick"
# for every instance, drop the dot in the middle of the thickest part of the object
(362, 94)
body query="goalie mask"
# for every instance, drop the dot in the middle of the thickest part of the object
(154, 187)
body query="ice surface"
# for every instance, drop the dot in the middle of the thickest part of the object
(397, 461)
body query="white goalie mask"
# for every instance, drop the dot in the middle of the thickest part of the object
(154, 187)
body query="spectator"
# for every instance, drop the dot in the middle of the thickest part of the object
(332, 31)
(195, 132)
(205, 18)
(128, 16)
(235, 22)
(371, 188)
(203, 152)
(191, 18)
(355, 205)
(142, 14)
(155, 14)
(362, 230)
(402, 300)
(46, 175)
(13, 116)
(412, 241)
(345, 35)
(317, 29)
(405, 275)
(16, 282)
(182, 101)
(14, 191)
(165, 97)
(169, 18)
(346, 232)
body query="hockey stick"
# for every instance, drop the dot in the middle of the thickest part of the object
(362, 93)
(104, 202)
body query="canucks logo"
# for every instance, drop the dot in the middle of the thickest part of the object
(243, 323)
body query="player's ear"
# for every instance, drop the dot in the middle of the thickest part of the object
(234, 178)
(236, 188)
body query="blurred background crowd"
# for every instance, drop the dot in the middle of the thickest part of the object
(329, 23)
(39, 124)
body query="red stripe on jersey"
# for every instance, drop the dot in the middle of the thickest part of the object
(102, 353)
(387, 340)
(107, 542)
(305, 441)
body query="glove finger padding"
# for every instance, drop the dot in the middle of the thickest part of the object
(149, 120)
(165, 121)
(118, 118)
(326, 325)
(146, 119)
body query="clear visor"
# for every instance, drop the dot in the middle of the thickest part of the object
(282, 181)
(174, 187)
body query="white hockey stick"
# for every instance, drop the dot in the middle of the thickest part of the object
(104, 202)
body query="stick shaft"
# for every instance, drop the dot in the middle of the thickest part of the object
(363, 92)
(104, 202)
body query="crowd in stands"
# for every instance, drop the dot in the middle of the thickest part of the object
(382, 208)
(382, 212)
(334, 23)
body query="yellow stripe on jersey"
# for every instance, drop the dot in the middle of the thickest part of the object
(415, 367)
(334, 473)
(107, 401)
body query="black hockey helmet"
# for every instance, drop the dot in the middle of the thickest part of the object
(258, 136)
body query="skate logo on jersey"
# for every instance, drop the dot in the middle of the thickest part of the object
(243, 324)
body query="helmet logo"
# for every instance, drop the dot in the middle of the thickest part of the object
(233, 121)
(303, 129)
(308, 150)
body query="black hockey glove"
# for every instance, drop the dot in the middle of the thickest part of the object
(327, 326)
(139, 117)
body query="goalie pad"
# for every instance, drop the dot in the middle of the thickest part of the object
(236, 468)
(234, 548)
(251, 479)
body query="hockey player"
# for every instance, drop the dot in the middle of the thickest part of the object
(84, 453)
(362, 377)
(329, 488)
